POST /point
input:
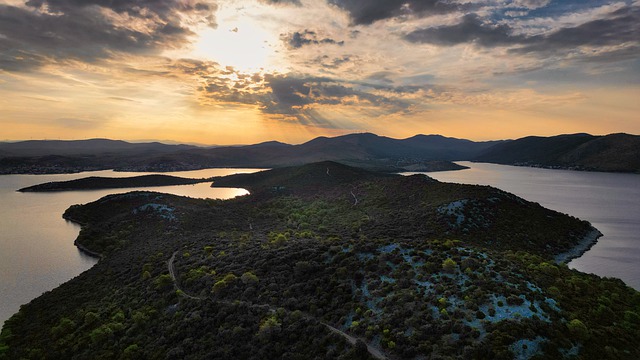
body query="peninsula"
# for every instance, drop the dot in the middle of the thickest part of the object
(332, 261)
(97, 182)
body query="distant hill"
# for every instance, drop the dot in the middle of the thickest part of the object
(418, 153)
(83, 147)
(614, 152)
(424, 147)
(364, 150)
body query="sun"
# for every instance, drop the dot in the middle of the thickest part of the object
(239, 42)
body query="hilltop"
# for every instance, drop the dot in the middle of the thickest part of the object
(328, 261)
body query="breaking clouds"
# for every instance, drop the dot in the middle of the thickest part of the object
(619, 28)
(59, 31)
(307, 61)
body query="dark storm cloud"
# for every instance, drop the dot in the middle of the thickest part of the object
(620, 27)
(74, 30)
(364, 12)
(299, 39)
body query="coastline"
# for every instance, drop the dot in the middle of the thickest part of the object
(87, 251)
(77, 244)
(578, 168)
(582, 247)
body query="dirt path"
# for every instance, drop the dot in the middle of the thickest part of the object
(172, 273)
(376, 353)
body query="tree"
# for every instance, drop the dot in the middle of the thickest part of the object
(449, 265)
(249, 277)
(578, 329)
(66, 326)
(163, 281)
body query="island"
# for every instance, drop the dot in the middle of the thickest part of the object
(97, 182)
(329, 261)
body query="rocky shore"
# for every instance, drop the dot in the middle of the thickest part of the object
(582, 247)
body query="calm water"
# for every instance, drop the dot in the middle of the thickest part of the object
(611, 202)
(36, 244)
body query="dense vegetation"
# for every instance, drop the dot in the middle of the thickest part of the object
(413, 268)
(97, 182)
(614, 152)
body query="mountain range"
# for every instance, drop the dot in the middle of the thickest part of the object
(615, 152)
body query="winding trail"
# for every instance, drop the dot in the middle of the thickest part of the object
(172, 273)
(375, 352)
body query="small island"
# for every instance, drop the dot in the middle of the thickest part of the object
(97, 182)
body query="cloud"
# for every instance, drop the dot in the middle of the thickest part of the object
(365, 12)
(164, 9)
(290, 97)
(470, 30)
(620, 27)
(58, 31)
(302, 98)
(529, 4)
(328, 62)
(119, 98)
(299, 39)
(281, 2)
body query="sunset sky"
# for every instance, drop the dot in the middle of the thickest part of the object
(239, 72)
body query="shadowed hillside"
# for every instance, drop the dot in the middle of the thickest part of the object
(614, 152)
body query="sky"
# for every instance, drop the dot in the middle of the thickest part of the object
(247, 71)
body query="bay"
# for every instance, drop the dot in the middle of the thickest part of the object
(36, 244)
(609, 201)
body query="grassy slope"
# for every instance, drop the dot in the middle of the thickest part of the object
(414, 266)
